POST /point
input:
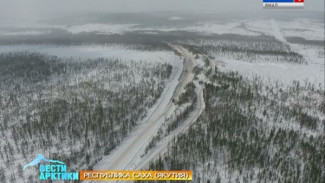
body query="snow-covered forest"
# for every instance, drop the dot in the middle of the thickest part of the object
(234, 99)
(71, 109)
(250, 132)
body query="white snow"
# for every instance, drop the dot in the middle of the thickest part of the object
(305, 28)
(109, 51)
(100, 28)
(16, 33)
(132, 147)
(283, 72)
(218, 28)
(128, 154)
(78, 28)
(175, 18)
(263, 26)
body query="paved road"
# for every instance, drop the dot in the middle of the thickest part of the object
(128, 155)
(162, 146)
(132, 148)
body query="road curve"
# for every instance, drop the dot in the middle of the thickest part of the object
(132, 148)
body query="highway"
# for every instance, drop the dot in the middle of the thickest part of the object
(127, 156)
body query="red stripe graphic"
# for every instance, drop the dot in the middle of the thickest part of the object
(299, 1)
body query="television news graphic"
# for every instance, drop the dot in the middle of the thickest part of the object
(283, 4)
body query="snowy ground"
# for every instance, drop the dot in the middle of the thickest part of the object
(285, 73)
(162, 147)
(95, 51)
(128, 155)
(306, 28)
(121, 53)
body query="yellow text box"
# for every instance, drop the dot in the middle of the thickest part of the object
(135, 175)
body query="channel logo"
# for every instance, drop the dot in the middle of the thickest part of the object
(52, 169)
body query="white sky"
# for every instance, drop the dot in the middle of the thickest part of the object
(33, 9)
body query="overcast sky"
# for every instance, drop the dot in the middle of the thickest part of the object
(23, 9)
